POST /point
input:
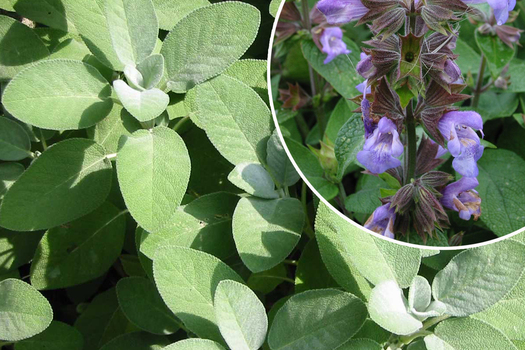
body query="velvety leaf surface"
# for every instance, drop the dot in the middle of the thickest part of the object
(137, 341)
(311, 271)
(360, 344)
(58, 336)
(349, 142)
(317, 320)
(195, 344)
(9, 173)
(24, 312)
(79, 251)
(14, 141)
(49, 12)
(169, 12)
(254, 179)
(42, 95)
(187, 280)
(195, 52)
(16, 248)
(278, 162)
(69, 180)
(143, 105)
(266, 231)
(153, 170)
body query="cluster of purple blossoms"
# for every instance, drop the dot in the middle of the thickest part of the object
(416, 61)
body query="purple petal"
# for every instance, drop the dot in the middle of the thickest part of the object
(342, 11)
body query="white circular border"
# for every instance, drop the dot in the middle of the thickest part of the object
(321, 198)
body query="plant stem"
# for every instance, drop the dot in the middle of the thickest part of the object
(410, 164)
(290, 262)
(180, 123)
(43, 140)
(479, 84)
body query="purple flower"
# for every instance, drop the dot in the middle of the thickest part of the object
(361, 88)
(382, 221)
(461, 197)
(342, 11)
(451, 74)
(441, 151)
(381, 148)
(365, 67)
(367, 120)
(332, 42)
(463, 142)
(501, 8)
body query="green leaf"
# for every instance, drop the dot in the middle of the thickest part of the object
(497, 53)
(266, 231)
(141, 303)
(187, 280)
(59, 95)
(266, 281)
(89, 19)
(383, 260)
(360, 344)
(340, 73)
(388, 307)
(311, 273)
(494, 105)
(137, 341)
(144, 105)
(16, 249)
(517, 72)
(79, 251)
(48, 12)
(274, 7)
(252, 73)
(340, 115)
(254, 179)
(431, 342)
(132, 265)
(204, 224)
(24, 312)
(420, 294)
(312, 170)
(107, 133)
(366, 198)
(169, 12)
(20, 47)
(279, 164)
(58, 336)
(235, 118)
(69, 180)
(14, 141)
(153, 168)
(152, 70)
(240, 315)
(478, 278)
(195, 344)
(9, 173)
(501, 191)
(470, 334)
(194, 53)
(468, 60)
(133, 27)
(317, 320)
(349, 142)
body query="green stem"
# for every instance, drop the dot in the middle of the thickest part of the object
(290, 262)
(424, 331)
(302, 125)
(479, 84)
(43, 140)
(180, 123)
(411, 151)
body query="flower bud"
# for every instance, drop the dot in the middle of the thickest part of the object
(294, 97)
(436, 179)
(403, 199)
(365, 67)
(501, 83)
(327, 159)
(457, 239)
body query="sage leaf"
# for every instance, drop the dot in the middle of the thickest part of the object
(266, 231)
(311, 273)
(252, 73)
(360, 344)
(69, 180)
(420, 294)
(195, 344)
(254, 179)
(137, 341)
(349, 142)
(58, 336)
(20, 47)
(279, 164)
(17, 249)
(59, 95)
(240, 315)
(384, 261)
(194, 53)
(497, 53)
(321, 319)
(187, 279)
(14, 141)
(24, 312)
(235, 119)
(133, 27)
(479, 277)
(144, 105)
(169, 12)
(141, 303)
(79, 251)
(388, 308)
(152, 70)
(431, 342)
(9, 173)
(48, 12)
(153, 170)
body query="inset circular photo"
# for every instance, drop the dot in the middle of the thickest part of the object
(406, 116)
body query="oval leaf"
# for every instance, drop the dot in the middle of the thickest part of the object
(137, 341)
(254, 179)
(69, 180)
(187, 280)
(320, 319)
(280, 166)
(58, 336)
(240, 315)
(153, 168)
(9, 173)
(59, 95)
(144, 105)
(24, 312)
(195, 344)
(79, 251)
(478, 278)
(194, 53)
(266, 231)
(235, 119)
(14, 141)
(170, 12)
(141, 303)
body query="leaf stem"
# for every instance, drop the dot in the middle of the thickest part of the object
(410, 164)
(290, 262)
(43, 140)
(180, 123)
(479, 84)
